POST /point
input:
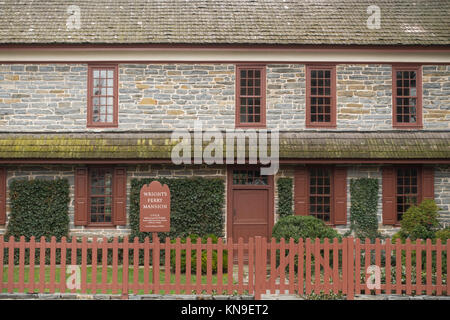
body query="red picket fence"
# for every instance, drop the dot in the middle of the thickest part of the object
(254, 267)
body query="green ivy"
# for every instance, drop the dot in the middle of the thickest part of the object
(363, 210)
(284, 187)
(196, 206)
(39, 208)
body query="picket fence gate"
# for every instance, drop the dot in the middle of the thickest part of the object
(257, 266)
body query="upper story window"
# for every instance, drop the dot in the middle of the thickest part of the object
(102, 96)
(250, 96)
(407, 96)
(321, 96)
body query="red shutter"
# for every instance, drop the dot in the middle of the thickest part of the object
(81, 196)
(389, 211)
(301, 186)
(120, 196)
(428, 183)
(340, 195)
(2, 196)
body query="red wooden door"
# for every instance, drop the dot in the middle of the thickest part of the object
(250, 204)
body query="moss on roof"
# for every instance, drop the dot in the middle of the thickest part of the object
(306, 145)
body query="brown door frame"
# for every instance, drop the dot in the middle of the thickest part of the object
(230, 188)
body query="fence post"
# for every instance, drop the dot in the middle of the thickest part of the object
(125, 269)
(258, 268)
(350, 269)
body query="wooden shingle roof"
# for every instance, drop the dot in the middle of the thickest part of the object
(304, 145)
(290, 22)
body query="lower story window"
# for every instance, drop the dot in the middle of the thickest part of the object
(320, 193)
(407, 193)
(100, 195)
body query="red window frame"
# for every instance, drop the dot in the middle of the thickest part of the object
(330, 194)
(91, 195)
(418, 96)
(90, 96)
(417, 194)
(332, 96)
(261, 96)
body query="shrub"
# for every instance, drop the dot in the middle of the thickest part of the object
(39, 208)
(419, 222)
(297, 227)
(284, 186)
(363, 210)
(443, 234)
(196, 207)
(194, 238)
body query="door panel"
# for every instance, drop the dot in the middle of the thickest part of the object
(250, 213)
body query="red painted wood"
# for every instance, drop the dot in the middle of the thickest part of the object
(167, 272)
(448, 266)
(209, 287)
(427, 183)
(178, 265)
(282, 267)
(350, 268)
(378, 259)
(438, 267)
(357, 266)
(230, 265)
(156, 254)
(389, 202)
(125, 266)
(259, 281)
(146, 265)
(301, 186)
(340, 195)
(336, 278)
(429, 270)
(240, 263)
(188, 266)
(114, 280)
(388, 266)
(104, 245)
(52, 264)
(10, 246)
(251, 258)
(31, 277)
(408, 267)
(300, 273)
(84, 265)
(2, 246)
(419, 266)
(291, 266)
(22, 264)
(94, 265)
(73, 258)
(136, 247)
(344, 265)
(308, 288)
(273, 269)
(120, 196)
(398, 267)
(220, 265)
(326, 261)
(317, 259)
(42, 265)
(81, 196)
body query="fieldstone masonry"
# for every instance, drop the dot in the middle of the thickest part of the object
(155, 97)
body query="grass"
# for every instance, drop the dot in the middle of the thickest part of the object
(109, 273)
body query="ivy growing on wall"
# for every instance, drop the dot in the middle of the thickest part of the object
(363, 210)
(284, 187)
(39, 208)
(196, 206)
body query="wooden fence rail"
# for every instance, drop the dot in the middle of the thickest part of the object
(258, 266)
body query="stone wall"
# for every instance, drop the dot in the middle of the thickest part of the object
(154, 97)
